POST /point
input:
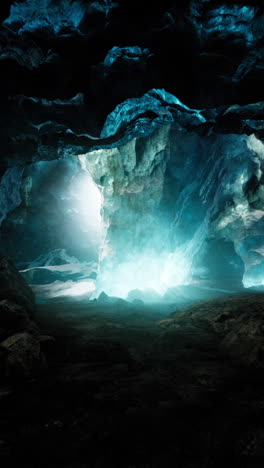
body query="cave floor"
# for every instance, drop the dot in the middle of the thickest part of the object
(125, 389)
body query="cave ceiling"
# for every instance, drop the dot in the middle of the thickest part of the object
(162, 103)
(91, 74)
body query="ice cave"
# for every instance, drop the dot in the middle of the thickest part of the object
(168, 207)
(131, 233)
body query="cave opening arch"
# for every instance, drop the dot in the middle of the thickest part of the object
(174, 207)
(52, 226)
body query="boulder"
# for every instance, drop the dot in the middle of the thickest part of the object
(237, 321)
(13, 317)
(14, 288)
(244, 338)
(22, 355)
(103, 297)
(146, 296)
(20, 342)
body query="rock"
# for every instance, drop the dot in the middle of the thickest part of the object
(17, 303)
(3, 359)
(145, 296)
(3, 334)
(126, 54)
(14, 288)
(22, 355)
(46, 343)
(138, 302)
(237, 321)
(245, 337)
(103, 297)
(12, 317)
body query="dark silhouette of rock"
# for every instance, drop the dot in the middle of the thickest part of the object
(237, 321)
(21, 346)
(103, 297)
(14, 288)
(146, 295)
(12, 317)
(22, 355)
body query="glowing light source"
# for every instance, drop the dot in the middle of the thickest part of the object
(146, 271)
(79, 288)
(86, 202)
(65, 289)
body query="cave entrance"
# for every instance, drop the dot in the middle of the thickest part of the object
(55, 231)
(137, 259)
(161, 193)
(136, 210)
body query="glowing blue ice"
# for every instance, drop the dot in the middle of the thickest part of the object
(9, 191)
(224, 20)
(33, 15)
(159, 101)
(132, 54)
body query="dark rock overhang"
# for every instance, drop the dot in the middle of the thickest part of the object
(66, 67)
(38, 129)
(47, 130)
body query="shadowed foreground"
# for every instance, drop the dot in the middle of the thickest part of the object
(136, 386)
